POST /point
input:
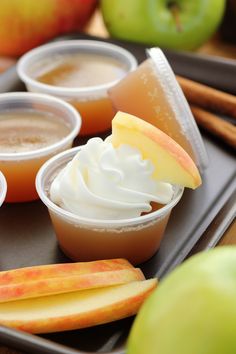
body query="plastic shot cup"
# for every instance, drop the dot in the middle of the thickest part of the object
(91, 99)
(3, 188)
(21, 126)
(160, 101)
(83, 239)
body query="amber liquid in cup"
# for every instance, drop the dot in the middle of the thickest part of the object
(137, 244)
(22, 132)
(150, 102)
(86, 70)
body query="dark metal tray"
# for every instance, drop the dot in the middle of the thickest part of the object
(27, 237)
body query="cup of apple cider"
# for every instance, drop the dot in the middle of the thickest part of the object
(89, 238)
(3, 188)
(80, 72)
(112, 198)
(33, 128)
(160, 101)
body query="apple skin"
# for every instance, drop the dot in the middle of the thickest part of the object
(151, 21)
(69, 283)
(193, 310)
(42, 272)
(26, 24)
(76, 310)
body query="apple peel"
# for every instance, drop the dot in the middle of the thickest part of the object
(171, 162)
(76, 310)
(69, 283)
(42, 272)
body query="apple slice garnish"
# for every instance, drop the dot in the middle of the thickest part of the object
(171, 162)
(76, 310)
(57, 285)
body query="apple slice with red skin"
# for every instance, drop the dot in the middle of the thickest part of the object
(69, 283)
(76, 310)
(42, 272)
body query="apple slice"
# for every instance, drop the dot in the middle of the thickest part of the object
(58, 285)
(22, 275)
(76, 310)
(171, 162)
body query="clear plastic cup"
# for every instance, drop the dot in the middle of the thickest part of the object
(92, 101)
(20, 168)
(3, 188)
(160, 101)
(83, 239)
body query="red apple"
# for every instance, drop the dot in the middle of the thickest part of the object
(26, 24)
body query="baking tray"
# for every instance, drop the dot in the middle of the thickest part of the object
(27, 237)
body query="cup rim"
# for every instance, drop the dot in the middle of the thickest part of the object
(95, 222)
(179, 104)
(3, 185)
(106, 47)
(42, 98)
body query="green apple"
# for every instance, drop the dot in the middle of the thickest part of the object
(176, 24)
(193, 311)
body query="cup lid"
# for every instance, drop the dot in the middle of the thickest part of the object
(179, 104)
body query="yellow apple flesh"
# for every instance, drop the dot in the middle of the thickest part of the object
(171, 162)
(76, 310)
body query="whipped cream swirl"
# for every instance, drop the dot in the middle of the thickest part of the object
(104, 182)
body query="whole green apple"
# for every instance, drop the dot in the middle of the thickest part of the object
(25, 24)
(176, 24)
(193, 311)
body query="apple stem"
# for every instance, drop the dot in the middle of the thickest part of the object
(175, 10)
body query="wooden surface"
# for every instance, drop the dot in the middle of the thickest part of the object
(214, 47)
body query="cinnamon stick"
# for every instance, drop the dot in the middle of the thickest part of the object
(217, 126)
(208, 97)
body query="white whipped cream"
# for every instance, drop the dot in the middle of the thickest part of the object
(104, 182)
